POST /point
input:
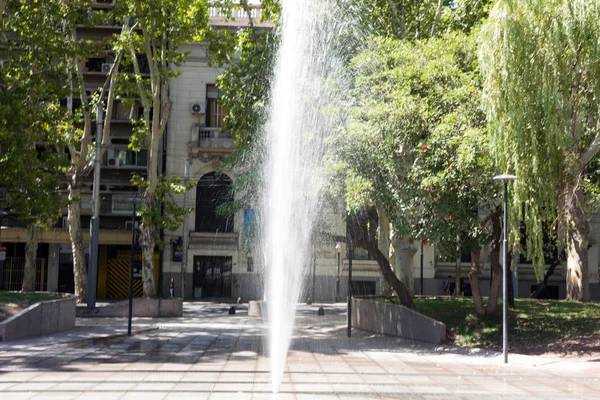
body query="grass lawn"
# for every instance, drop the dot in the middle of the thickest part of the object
(12, 303)
(535, 326)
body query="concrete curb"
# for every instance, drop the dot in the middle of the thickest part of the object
(153, 308)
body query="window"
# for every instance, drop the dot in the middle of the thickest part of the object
(215, 112)
(121, 203)
(86, 202)
(213, 192)
(250, 266)
(127, 158)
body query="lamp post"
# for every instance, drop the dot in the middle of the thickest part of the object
(421, 282)
(350, 249)
(338, 250)
(505, 179)
(135, 201)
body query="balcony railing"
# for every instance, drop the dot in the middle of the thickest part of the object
(212, 133)
(212, 139)
(225, 16)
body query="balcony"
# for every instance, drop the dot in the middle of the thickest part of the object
(211, 140)
(237, 17)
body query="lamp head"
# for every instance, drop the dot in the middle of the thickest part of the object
(505, 178)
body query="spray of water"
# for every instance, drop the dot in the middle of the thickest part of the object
(304, 95)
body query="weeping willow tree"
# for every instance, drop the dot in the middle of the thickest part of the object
(541, 65)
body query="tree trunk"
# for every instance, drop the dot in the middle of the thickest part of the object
(147, 243)
(496, 283)
(549, 272)
(389, 276)
(33, 238)
(364, 234)
(474, 279)
(404, 252)
(74, 220)
(577, 229)
(384, 244)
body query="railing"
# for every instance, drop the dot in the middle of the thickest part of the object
(14, 269)
(212, 133)
(238, 13)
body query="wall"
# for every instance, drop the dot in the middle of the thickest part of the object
(40, 319)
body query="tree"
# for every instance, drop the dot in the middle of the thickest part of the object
(30, 122)
(541, 74)
(416, 143)
(160, 30)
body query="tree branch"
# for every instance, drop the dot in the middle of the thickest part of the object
(438, 14)
(591, 151)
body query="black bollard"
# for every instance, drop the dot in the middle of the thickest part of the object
(232, 310)
(321, 311)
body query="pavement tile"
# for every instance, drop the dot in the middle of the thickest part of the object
(144, 396)
(57, 395)
(209, 351)
(194, 387)
(33, 386)
(187, 396)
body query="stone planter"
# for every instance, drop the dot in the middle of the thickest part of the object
(396, 320)
(43, 318)
(152, 308)
(257, 308)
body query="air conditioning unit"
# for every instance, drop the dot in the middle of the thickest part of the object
(198, 108)
(112, 162)
(128, 225)
(103, 3)
(106, 67)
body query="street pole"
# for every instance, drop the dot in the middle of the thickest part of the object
(505, 179)
(186, 179)
(350, 249)
(134, 200)
(421, 268)
(314, 273)
(338, 249)
(95, 220)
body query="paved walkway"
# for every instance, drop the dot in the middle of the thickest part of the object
(209, 354)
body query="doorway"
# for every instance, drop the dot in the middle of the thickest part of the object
(212, 277)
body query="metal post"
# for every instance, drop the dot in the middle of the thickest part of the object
(350, 250)
(505, 179)
(314, 273)
(337, 277)
(184, 236)
(95, 220)
(131, 263)
(504, 280)
(421, 268)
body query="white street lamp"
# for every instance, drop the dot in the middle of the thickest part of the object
(338, 250)
(505, 178)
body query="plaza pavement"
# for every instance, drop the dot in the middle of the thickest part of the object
(209, 354)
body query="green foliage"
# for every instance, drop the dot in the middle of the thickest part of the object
(30, 115)
(415, 20)
(416, 141)
(246, 86)
(542, 81)
(534, 325)
(162, 211)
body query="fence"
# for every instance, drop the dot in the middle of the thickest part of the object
(13, 270)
